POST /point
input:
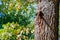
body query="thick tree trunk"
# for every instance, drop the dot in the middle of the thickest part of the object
(46, 20)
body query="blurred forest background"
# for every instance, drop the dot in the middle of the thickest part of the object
(59, 21)
(17, 19)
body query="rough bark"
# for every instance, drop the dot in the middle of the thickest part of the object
(46, 20)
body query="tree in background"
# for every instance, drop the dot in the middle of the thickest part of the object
(46, 20)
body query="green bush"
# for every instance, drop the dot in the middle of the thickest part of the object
(13, 31)
(17, 22)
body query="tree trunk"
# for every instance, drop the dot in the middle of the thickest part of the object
(46, 20)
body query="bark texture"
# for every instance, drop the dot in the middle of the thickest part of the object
(46, 20)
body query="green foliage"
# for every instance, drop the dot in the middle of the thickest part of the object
(59, 22)
(19, 10)
(13, 31)
(17, 22)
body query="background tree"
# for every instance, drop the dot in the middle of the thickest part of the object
(46, 20)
